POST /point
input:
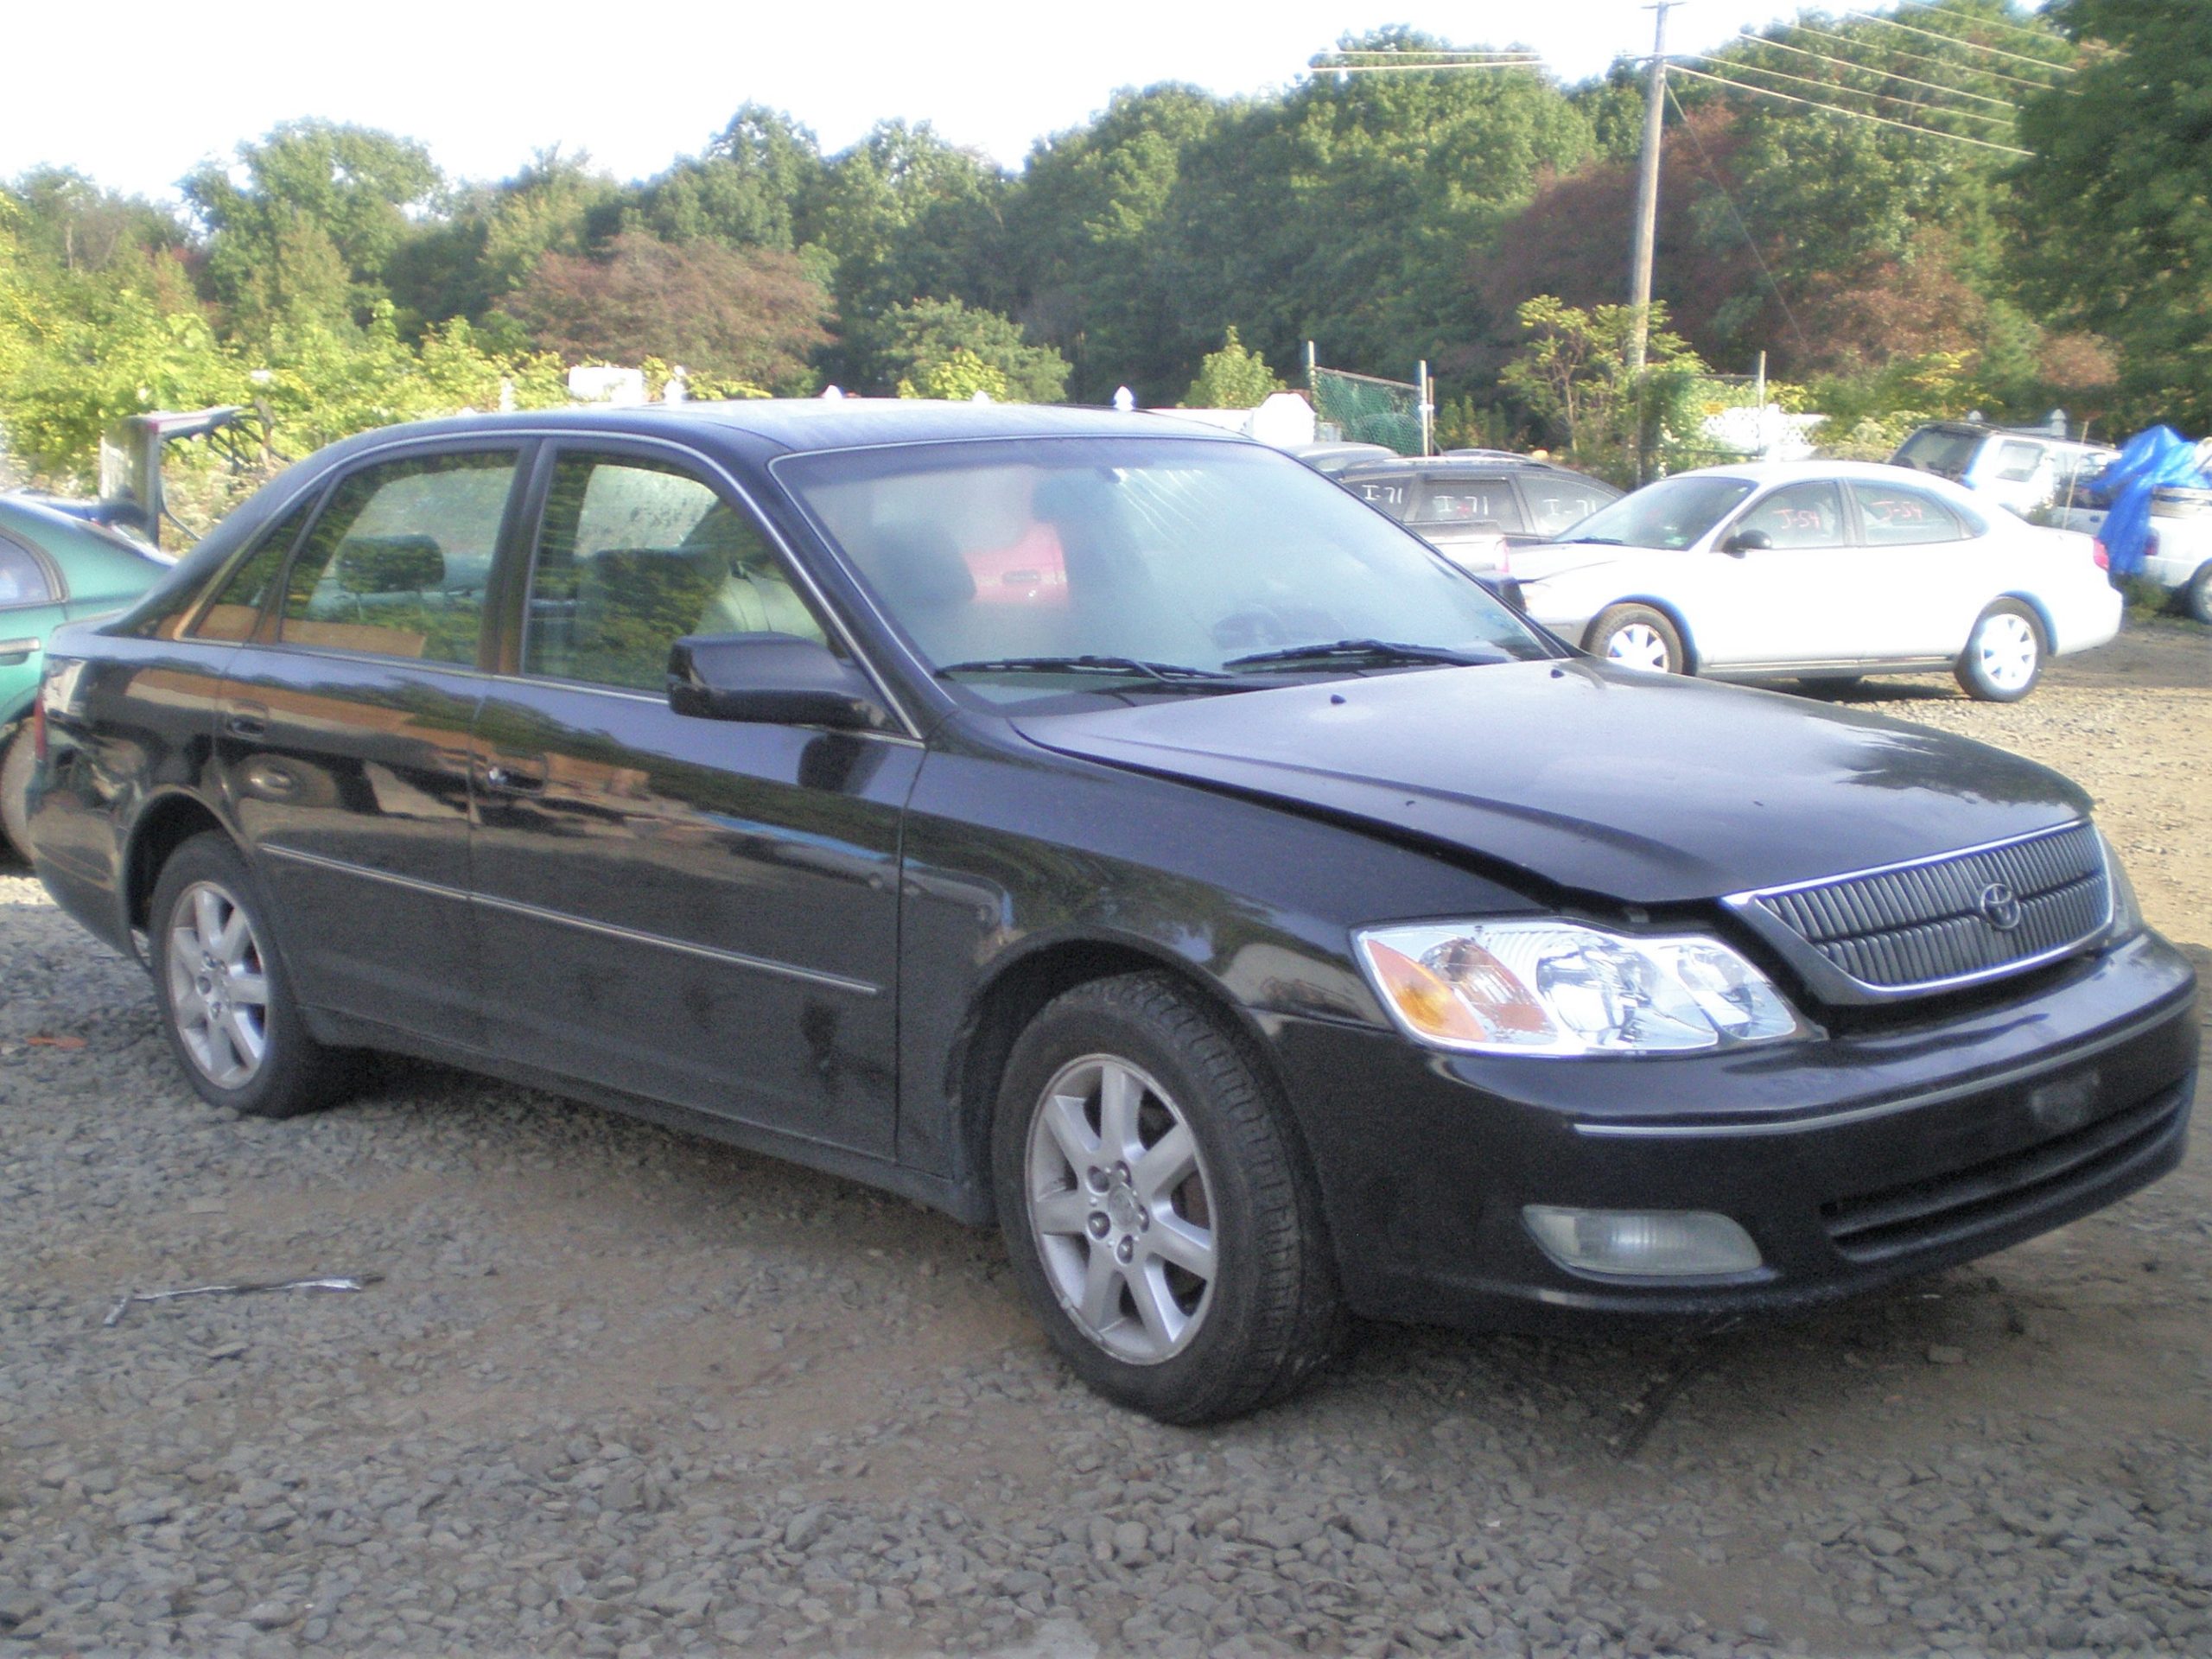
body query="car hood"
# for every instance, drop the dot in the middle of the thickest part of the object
(1644, 789)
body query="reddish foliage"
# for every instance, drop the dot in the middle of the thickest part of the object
(750, 314)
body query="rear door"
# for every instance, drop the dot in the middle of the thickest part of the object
(1927, 572)
(703, 912)
(343, 733)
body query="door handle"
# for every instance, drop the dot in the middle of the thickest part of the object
(249, 719)
(511, 777)
(16, 651)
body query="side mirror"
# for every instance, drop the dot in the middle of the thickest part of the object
(1747, 541)
(770, 679)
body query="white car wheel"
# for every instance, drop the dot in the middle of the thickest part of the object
(2003, 656)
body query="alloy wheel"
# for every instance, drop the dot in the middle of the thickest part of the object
(1119, 1208)
(218, 985)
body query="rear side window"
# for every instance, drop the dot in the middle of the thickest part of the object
(1557, 504)
(1895, 516)
(22, 581)
(397, 564)
(2016, 462)
(238, 603)
(633, 556)
(1473, 503)
(1391, 492)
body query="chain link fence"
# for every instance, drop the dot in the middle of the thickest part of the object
(1363, 409)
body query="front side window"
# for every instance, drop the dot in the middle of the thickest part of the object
(22, 581)
(1183, 565)
(634, 555)
(1895, 516)
(1470, 504)
(397, 562)
(1798, 516)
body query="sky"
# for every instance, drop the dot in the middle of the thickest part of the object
(136, 95)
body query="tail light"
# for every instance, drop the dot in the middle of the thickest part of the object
(2098, 552)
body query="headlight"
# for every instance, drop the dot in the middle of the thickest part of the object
(2126, 913)
(1557, 987)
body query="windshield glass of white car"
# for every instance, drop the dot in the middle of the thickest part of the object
(1674, 512)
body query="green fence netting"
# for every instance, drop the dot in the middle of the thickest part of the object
(1365, 409)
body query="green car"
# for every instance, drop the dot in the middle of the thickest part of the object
(54, 567)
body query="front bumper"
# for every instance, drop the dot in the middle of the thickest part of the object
(1852, 1160)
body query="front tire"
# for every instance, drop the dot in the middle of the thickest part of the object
(2004, 654)
(16, 763)
(1638, 637)
(226, 1002)
(1159, 1219)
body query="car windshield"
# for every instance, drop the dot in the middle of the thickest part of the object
(1037, 567)
(1674, 512)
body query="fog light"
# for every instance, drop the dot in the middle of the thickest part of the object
(1642, 1243)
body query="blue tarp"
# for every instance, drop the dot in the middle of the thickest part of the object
(2151, 460)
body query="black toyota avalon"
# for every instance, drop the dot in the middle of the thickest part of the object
(1115, 832)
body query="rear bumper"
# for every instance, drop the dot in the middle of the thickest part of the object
(1851, 1162)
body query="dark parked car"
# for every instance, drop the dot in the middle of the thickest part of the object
(1259, 924)
(1478, 505)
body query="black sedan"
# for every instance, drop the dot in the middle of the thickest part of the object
(1124, 837)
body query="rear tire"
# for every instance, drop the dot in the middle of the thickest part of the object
(2196, 598)
(1638, 637)
(226, 1002)
(15, 764)
(2004, 654)
(1159, 1219)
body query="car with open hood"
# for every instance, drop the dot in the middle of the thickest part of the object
(1260, 924)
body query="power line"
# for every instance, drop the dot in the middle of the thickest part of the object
(1941, 63)
(1712, 172)
(1857, 115)
(1987, 22)
(1961, 40)
(1854, 92)
(1869, 69)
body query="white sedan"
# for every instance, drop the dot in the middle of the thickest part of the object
(1821, 571)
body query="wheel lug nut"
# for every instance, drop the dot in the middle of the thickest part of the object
(1121, 1171)
(1100, 1226)
(1098, 1179)
(1125, 1248)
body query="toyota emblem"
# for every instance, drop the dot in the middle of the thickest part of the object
(1999, 907)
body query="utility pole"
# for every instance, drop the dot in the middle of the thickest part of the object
(1646, 189)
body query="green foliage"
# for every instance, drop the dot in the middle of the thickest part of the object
(915, 343)
(1232, 377)
(957, 378)
(1574, 376)
(2117, 233)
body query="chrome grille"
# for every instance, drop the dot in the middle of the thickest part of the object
(1933, 923)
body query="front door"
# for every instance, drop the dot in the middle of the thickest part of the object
(342, 734)
(1797, 599)
(703, 912)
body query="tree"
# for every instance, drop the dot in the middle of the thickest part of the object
(914, 343)
(759, 184)
(747, 315)
(321, 211)
(2116, 237)
(1232, 377)
(1573, 375)
(956, 379)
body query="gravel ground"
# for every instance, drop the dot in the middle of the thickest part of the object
(623, 1392)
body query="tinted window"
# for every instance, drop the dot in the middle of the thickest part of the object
(237, 604)
(22, 580)
(1558, 502)
(397, 562)
(634, 555)
(1934, 451)
(1895, 516)
(1475, 503)
(1391, 492)
(1798, 515)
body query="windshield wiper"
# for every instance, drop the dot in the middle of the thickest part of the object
(1380, 653)
(1086, 664)
(1592, 541)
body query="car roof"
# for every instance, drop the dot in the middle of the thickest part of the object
(1778, 472)
(1487, 462)
(812, 423)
